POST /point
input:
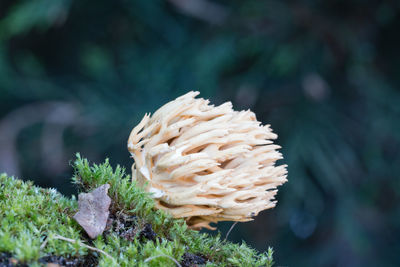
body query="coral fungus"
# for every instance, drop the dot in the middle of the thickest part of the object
(205, 163)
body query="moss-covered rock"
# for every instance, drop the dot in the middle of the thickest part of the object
(36, 226)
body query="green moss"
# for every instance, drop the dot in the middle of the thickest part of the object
(29, 215)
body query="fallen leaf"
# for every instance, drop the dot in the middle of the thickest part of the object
(93, 210)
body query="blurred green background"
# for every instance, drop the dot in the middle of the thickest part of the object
(78, 75)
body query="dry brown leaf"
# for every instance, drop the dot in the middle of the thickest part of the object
(93, 210)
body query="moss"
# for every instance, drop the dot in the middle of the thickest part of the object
(31, 217)
(29, 214)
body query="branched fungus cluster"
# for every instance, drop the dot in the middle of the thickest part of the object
(205, 163)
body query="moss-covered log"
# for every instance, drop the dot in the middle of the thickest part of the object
(36, 227)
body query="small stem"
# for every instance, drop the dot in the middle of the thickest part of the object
(162, 255)
(230, 229)
(81, 244)
(44, 243)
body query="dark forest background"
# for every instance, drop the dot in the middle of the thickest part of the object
(76, 76)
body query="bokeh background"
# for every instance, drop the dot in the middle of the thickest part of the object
(76, 76)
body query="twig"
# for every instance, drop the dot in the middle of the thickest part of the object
(162, 255)
(80, 244)
(230, 229)
(205, 10)
(55, 113)
(44, 243)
